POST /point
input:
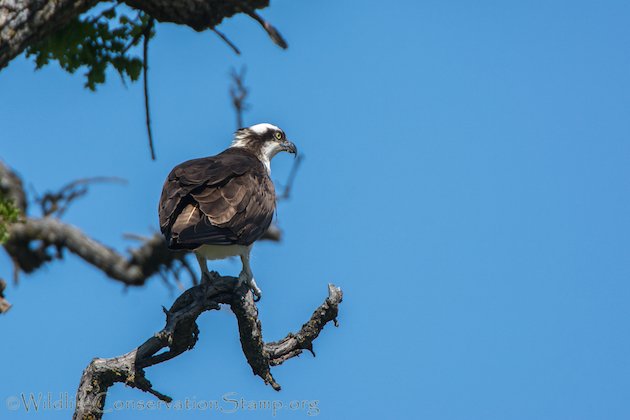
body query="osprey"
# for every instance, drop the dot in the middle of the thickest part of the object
(219, 206)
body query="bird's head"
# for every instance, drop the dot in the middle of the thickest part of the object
(264, 140)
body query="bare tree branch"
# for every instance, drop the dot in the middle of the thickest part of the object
(133, 270)
(286, 193)
(227, 41)
(238, 93)
(268, 27)
(145, 70)
(181, 332)
(56, 203)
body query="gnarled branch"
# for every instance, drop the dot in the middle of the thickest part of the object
(181, 332)
(132, 270)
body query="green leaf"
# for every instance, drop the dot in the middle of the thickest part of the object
(95, 43)
(8, 214)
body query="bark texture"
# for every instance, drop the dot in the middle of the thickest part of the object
(198, 14)
(24, 22)
(181, 332)
(51, 233)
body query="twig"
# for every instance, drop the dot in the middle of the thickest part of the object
(133, 42)
(227, 41)
(181, 332)
(136, 38)
(238, 93)
(293, 344)
(286, 193)
(268, 27)
(58, 202)
(145, 69)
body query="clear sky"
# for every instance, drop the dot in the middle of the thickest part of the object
(466, 183)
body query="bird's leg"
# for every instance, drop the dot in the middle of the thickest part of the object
(248, 277)
(205, 274)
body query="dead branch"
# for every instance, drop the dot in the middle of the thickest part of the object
(227, 41)
(145, 69)
(286, 193)
(268, 27)
(238, 93)
(49, 232)
(181, 332)
(56, 203)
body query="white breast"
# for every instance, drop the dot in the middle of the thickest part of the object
(219, 252)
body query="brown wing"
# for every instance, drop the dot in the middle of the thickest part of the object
(221, 200)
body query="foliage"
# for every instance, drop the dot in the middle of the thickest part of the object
(95, 42)
(8, 214)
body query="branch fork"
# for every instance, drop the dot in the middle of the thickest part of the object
(181, 333)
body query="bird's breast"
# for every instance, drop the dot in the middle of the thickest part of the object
(219, 252)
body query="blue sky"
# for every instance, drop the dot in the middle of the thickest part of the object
(465, 182)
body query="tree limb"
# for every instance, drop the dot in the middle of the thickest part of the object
(142, 262)
(227, 41)
(181, 332)
(56, 203)
(25, 22)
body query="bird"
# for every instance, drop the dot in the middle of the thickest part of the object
(219, 206)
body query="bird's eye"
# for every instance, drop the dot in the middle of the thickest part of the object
(278, 135)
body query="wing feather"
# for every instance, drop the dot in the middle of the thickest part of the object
(221, 200)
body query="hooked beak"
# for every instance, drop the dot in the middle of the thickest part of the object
(288, 146)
